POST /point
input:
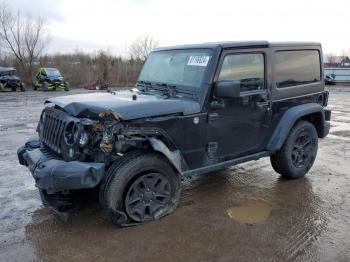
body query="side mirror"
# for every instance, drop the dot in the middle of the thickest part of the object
(227, 88)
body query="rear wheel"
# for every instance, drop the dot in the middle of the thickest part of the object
(22, 87)
(139, 188)
(298, 153)
(2, 87)
(66, 86)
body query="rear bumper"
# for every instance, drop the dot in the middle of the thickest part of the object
(55, 175)
(326, 127)
(327, 124)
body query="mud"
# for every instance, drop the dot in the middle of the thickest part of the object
(272, 219)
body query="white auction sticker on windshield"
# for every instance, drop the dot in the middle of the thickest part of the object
(198, 60)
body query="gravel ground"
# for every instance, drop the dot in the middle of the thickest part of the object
(244, 213)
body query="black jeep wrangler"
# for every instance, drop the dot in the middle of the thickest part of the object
(10, 80)
(195, 109)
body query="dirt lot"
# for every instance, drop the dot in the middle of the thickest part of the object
(245, 213)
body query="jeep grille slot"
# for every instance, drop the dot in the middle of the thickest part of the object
(53, 127)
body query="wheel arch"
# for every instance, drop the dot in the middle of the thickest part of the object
(311, 112)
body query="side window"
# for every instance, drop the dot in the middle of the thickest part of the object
(248, 69)
(298, 67)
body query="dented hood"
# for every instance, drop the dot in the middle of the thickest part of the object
(90, 105)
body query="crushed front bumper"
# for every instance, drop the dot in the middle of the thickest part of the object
(55, 175)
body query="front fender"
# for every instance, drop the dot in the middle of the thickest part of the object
(289, 119)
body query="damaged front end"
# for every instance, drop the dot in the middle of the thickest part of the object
(73, 153)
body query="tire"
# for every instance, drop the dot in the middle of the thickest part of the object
(13, 89)
(298, 152)
(66, 86)
(23, 87)
(138, 188)
(45, 86)
(2, 87)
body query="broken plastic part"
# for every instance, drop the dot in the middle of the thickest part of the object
(109, 113)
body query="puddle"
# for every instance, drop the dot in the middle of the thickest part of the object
(253, 213)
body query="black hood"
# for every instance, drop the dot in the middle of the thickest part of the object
(10, 78)
(90, 105)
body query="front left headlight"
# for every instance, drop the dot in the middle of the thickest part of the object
(84, 139)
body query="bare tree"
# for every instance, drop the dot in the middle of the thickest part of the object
(331, 60)
(141, 47)
(24, 37)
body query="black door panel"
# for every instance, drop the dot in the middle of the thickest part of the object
(240, 126)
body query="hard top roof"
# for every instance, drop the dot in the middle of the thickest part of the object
(6, 69)
(237, 44)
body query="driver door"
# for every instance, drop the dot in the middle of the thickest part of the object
(240, 126)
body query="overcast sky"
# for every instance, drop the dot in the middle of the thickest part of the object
(112, 25)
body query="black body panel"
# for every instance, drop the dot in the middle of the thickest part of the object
(207, 132)
(123, 103)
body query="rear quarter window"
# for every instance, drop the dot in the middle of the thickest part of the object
(297, 67)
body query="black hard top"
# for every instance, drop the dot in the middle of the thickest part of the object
(6, 69)
(238, 44)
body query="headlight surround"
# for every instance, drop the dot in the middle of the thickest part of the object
(84, 139)
(72, 133)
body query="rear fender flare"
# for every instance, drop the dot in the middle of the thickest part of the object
(289, 118)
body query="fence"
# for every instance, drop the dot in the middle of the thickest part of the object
(341, 74)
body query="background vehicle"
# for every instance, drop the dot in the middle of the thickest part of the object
(10, 80)
(99, 85)
(195, 109)
(330, 79)
(50, 79)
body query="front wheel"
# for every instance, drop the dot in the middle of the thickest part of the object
(139, 188)
(45, 86)
(298, 153)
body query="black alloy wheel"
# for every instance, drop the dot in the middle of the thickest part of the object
(146, 196)
(302, 149)
(298, 152)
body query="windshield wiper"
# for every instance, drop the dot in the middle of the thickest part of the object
(147, 85)
(144, 84)
(169, 88)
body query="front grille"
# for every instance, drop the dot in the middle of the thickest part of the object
(53, 127)
(12, 83)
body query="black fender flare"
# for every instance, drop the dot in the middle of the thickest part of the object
(174, 156)
(288, 120)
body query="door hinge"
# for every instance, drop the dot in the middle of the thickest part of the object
(213, 116)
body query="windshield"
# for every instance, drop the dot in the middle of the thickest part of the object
(52, 72)
(8, 73)
(176, 67)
